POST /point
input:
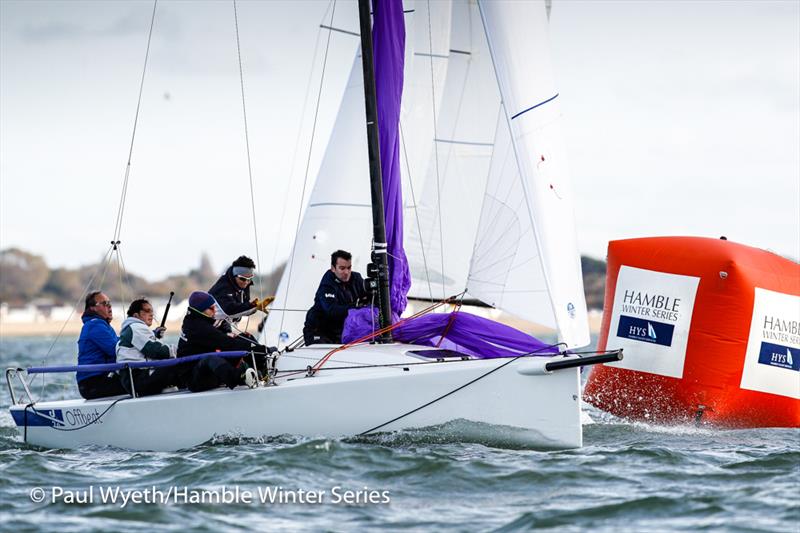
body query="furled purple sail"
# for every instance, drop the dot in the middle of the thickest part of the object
(470, 335)
(463, 332)
(388, 44)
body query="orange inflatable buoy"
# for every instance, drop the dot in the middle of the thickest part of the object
(710, 331)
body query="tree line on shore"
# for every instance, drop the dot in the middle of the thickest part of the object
(25, 277)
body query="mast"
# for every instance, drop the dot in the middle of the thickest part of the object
(380, 263)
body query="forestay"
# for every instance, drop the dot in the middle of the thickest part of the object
(494, 211)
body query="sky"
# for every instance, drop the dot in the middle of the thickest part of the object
(681, 118)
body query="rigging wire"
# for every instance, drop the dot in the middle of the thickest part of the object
(124, 193)
(436, 149)
(120, 208)
(308, 164)
(287, 188)
(104, 264)
(416, 212)
(124, 271)
(247, 147)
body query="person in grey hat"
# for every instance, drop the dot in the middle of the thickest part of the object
(232, 292)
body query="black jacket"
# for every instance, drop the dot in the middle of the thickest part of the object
(233, 300)
(198, 335)
(331, 303)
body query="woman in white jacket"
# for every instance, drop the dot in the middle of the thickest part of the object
(137, 342)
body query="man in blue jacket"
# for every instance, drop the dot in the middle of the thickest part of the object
(340, 290)
(98, 345)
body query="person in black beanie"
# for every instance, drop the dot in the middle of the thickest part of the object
(199, 335)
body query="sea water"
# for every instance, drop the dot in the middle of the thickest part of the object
(627, 477)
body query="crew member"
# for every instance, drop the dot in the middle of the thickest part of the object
(232, 292)
(200, 335)
(137, 342)
(97, 344)
(340, 290)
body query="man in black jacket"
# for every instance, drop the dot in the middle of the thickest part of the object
(232, 292)
(200, 335)
(340, 290)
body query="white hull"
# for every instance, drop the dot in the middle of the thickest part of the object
(333, 403)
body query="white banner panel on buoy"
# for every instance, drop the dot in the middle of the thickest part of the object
(772, 359)
(650, 320)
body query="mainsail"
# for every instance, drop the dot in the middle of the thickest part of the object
(338, 211)
(496, 205)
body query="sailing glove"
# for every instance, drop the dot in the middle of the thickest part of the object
(261, 305)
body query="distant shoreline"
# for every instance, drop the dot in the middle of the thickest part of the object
(53, 327)
(73, 327)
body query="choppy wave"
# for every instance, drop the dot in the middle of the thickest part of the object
(461, 475)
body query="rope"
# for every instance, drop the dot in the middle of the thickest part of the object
(375, 333)
(247, 146)
(308, 165)
(451, 319)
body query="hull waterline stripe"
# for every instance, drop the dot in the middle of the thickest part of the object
(535, 106)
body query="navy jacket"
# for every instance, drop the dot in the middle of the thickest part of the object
(235, 302)
(198, 335)
(332, 302)
(97, 344)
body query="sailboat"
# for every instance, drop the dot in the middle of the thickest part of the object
(511, 245)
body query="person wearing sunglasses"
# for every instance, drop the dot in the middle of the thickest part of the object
(138, 343)
(232, 292)
(97, 344)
